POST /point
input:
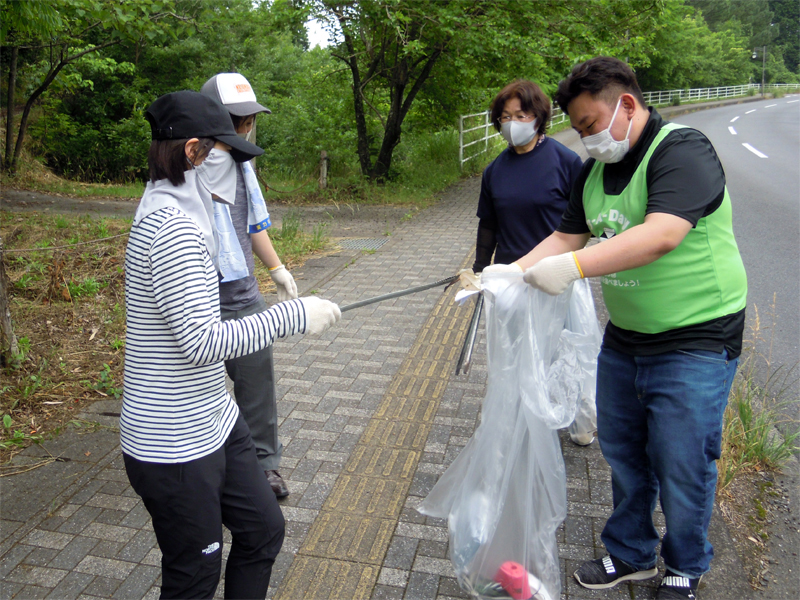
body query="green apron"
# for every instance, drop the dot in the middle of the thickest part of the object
(700, 280)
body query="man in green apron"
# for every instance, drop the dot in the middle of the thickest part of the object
(675, 288)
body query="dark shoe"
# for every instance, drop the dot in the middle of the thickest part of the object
(606, 572)
(675, 587)
(277, 484)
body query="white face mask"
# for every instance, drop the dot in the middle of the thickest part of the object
(217, 175)
(518, 133)
(603, 147)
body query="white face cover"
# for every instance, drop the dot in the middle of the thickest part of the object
(518, 133)
(217, 175)
(603, 147)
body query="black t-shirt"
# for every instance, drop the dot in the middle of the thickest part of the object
(684, 178)
(524, 195)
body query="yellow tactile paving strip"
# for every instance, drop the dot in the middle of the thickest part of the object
(342, 554)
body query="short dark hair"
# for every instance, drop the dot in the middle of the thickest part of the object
(167, 158)
(238, 120)
(531, 98)
(603, 77)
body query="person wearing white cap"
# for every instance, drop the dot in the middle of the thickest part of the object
(241, 220)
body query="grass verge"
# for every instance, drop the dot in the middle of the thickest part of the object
(751, 441)
(33, 175)
(750, 492)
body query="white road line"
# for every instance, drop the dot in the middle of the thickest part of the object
(734, 119)
(791, 101)
(732, 130)
(770, 105)
(754, 151)
(749, 111)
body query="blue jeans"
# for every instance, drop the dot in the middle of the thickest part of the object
(659, 423)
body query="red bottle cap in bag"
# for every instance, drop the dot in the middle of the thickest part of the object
(514, 579)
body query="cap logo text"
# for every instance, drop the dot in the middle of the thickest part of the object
(243, 88)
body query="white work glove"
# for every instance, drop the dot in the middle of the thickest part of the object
(469, 280)
(553, 274)
(500, 268)
(284, 282)
(320, 314)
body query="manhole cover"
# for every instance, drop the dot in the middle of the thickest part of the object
(363, 244)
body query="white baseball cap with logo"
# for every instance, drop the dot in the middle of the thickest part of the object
(235, 92)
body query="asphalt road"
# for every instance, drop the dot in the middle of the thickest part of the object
(764, 184)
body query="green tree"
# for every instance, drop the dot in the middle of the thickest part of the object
(91, 125)
(787, 17)
(392, 47)
(754, 16)
(688, 54)
(59, 33)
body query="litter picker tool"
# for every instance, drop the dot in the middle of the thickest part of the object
(465, 359)
(412, 290)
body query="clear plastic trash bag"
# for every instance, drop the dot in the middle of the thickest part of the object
(505, 494)
(582, 320)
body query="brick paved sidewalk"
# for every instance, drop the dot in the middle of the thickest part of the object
(371, 414)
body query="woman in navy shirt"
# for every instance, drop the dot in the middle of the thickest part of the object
(524, 191)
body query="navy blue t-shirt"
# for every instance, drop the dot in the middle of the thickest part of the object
(524, 195)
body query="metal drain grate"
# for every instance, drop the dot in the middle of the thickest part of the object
(363, 244)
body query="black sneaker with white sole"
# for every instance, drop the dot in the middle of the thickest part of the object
(606, 572)
(675, 587)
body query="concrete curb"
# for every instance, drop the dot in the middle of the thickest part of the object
(673, 111)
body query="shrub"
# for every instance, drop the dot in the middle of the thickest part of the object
(92, 126)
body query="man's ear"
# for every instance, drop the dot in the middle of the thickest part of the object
(628, 104)
(191, 150)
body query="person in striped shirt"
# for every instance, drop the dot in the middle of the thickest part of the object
(187, 450)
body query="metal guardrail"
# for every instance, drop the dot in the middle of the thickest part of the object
(469, 134)
(473, 139)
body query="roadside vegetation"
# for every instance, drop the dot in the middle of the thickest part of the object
(759, 439)
(757, 434)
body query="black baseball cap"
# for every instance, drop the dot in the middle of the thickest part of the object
(187, 114)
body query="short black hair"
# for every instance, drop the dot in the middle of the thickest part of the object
(167, 158)
(238, 120)
(531, 98)
(604, 77)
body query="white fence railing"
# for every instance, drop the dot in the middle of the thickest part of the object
(475, 130)
(472, 138)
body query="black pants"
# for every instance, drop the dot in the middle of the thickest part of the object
(189, 502)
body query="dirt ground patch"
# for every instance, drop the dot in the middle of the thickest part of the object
(67, 306)
(756, 506)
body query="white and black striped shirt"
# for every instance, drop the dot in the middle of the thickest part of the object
(175, 405)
